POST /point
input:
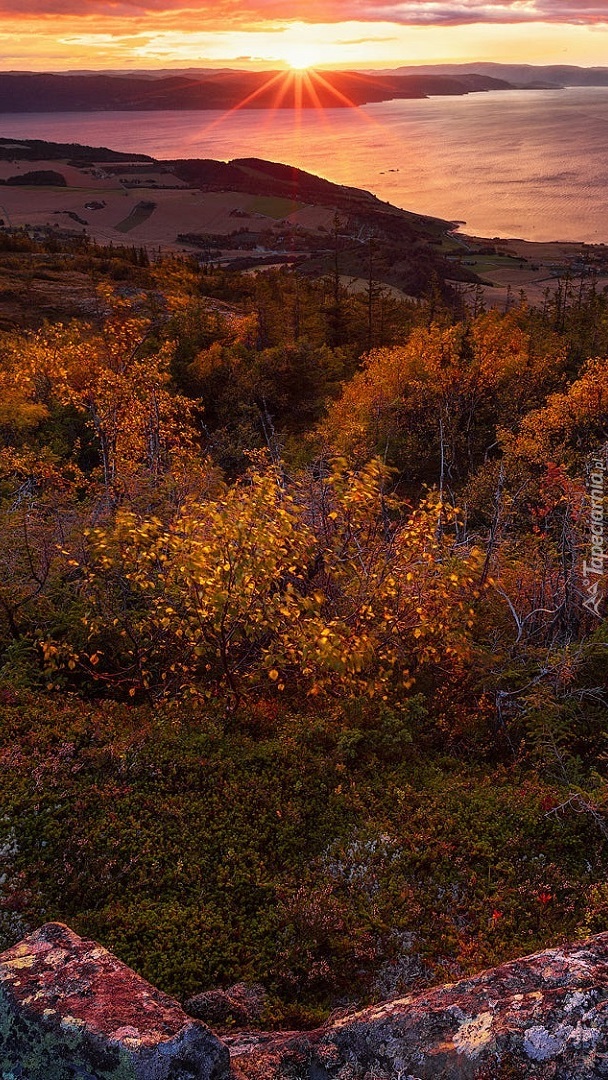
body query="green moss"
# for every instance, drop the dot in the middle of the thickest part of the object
(31, 1049)
(269, 851)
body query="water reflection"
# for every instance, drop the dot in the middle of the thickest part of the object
(523, 163)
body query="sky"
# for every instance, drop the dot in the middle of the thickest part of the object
(55, 35)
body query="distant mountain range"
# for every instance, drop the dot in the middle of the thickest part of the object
(23, 93)
(519, 75)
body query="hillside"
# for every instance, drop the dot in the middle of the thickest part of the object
(519, 75)
(248, 214)
(225, 90)
(303, 670)
(301, 679)
(243, 213)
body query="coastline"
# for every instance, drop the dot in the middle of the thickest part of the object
(514, 165)
(241, 218)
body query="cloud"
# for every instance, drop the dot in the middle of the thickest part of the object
(468, 11)
(254, 14)
(369, 38)
(445, 13)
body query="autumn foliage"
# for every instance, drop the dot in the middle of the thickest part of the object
(223, 532)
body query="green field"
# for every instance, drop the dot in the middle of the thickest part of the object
(274, 207)
(138, 215)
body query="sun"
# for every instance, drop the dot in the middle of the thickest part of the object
(300, 57)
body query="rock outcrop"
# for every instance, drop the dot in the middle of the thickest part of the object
(69, 1010)
(544, 1017)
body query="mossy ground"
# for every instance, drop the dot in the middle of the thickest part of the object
(331, 858)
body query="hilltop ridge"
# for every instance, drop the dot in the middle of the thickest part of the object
(553, 76)
(40, 92)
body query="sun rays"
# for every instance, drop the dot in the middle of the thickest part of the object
(299, 88)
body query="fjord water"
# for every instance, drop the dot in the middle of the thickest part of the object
(525, 163)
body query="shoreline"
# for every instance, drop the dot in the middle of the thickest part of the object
(542, 209)
(511, 265)
(218, 211)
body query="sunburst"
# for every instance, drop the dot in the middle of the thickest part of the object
(301, 57)
(301, 88)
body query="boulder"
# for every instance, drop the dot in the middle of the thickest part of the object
(240, 1006)
(69, 1010)
(544, 1017)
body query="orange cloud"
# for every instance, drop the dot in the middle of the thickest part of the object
(59, 34)
(258, 13)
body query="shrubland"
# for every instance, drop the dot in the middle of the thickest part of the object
(300, 677)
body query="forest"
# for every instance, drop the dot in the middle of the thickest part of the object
(303, 670)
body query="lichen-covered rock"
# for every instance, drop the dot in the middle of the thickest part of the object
(544, 1017)
(69, 1010)
(240, 1006)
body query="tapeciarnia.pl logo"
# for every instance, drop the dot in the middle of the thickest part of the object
(594, 565)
